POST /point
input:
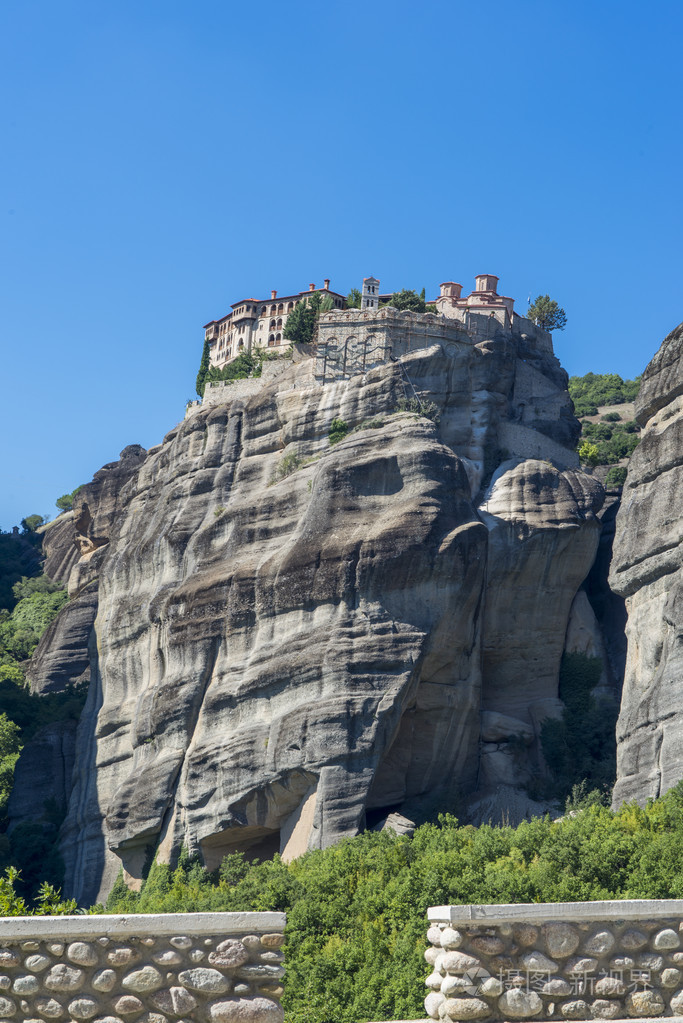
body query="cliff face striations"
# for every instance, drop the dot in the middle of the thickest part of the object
(291, 635)
(647, 570)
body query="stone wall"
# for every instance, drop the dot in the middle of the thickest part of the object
(580, 960)
(205, 967)
(355, 340)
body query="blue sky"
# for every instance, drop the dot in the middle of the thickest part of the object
(164, 159)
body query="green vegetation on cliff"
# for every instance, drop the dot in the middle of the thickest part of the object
(592, 390)
(356, 913)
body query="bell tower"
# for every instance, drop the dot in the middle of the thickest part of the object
(370, 293)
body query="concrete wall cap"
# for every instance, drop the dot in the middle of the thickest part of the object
(139, 924)
(628, 909)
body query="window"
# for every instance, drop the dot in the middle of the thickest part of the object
(278, 338)
(279, 323)
(273, 309)
(271, 340)
(281, 307)
(290, 306)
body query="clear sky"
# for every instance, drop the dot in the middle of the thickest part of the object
(162, 160)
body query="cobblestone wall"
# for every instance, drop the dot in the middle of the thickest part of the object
(573, 961)
(206, 967)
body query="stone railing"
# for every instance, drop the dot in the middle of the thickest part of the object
(209, 967)
(575, 960)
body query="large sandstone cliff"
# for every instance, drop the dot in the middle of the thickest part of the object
(277, 658)
(647, 570)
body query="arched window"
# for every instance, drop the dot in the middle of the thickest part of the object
(278, 338)
(271, 340)
(241, 344)
(264, 311)
(272, 325)
(290, 306)
(273, 309)
(279, 323)
(281, 307)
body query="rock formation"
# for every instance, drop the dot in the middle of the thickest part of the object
(290, 635)
(647, 570)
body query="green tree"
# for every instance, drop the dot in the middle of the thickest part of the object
(301, 323)
(203, 369)
(353, 299)
(66, 501)
(33, 522)
(407, 299)
(616, 476)
(588, 453)
(10, 747)
(546, 313)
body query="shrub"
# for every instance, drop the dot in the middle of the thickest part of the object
(616, 476)
(611, 417)
(428, 409)
(289, 464)
(338, 430)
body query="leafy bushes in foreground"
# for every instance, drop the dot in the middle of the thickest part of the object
(357, 911)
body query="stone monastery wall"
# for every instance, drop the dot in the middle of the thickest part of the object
(208, 967)
(575, 961)
(356, 340)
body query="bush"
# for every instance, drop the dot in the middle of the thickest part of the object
(356, 912)
(616, 476)
(596, 389)
(428, 409)
(289, 464)
(338, 430)
(611, 417)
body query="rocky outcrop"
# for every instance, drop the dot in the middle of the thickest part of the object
(648, 571)
(290, 634)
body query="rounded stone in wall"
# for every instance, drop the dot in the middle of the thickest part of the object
(5, 982)
(49, 1007)
(519, 1003)
(632, 940)
(104, 980)
(175, 1000)
(432, 1003)
(666, 941)
(230, 953)
(466, 1008)
(7, 1006)
(246, 1010)
(670, 977)
(610, 987)
(458, 962)
(577, 1009)
(525, 935)
(83, 1008)
(64, 978)
(536, 962)
(196, 955)
(181, 941)
(645, 1003)
(81, 953)
(581, 964)
(450, 938)
(434, 980)
(37, 963)
(434, 935)
(603, 1008)
(487, 944)
(270, 940)
(253, 942)
(143, 981)
(167, 958)
(677, 1003)
(431, 955)
(8, 958)
(649, 961)
(122, 956)
(27, 985)
(600, 944)
(561, 939)
(207, 981)
(128, 1005)
(556, 987)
